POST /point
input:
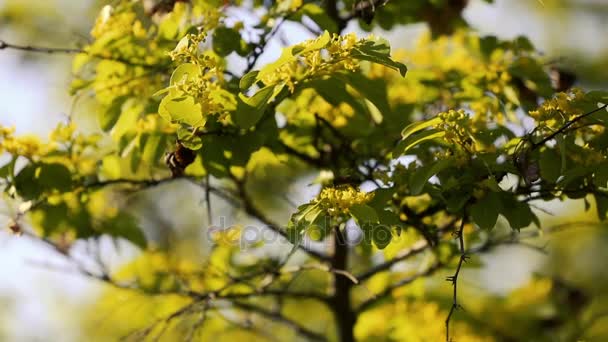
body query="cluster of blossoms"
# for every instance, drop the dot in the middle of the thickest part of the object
(28, 146)
(154, 123)
(314, 59)
(338, 200)
(110, 24)
(205, 84)
(187, 50)
(337, 116)
(63, 146)
(206, 91)
(310, 103)
(457, 127)
(465, 72)
(563, 107)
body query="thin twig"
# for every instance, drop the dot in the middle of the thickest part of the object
(454, 278)
(566, 126)
(49, 50)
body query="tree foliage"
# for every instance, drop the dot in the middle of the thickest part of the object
(417, 154)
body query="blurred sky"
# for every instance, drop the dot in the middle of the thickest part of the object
(33, 97)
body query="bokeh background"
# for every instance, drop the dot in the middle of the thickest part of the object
(41, 301)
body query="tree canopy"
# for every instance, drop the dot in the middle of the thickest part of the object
(402, 163)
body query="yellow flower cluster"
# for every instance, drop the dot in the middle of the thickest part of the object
(309, 103)
(63, 133)
(457, 128)
(154, 123)
(401, 319)
(316, 62)
(63, 147)
(561, 108)
(187, 50)
(206, 90)
(453, 70)
(338, 200)
(116, 25)
(28, 146)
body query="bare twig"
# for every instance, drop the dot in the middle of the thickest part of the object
(454, 278)
(415, 249)
(48, 50)
(566, 126)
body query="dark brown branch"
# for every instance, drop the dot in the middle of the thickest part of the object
(416, 249)
(454, 278)
(37, 49)
(331, 8)
(566, 126)
(48, 50)
(259, 48)
(340, 301)
(146, 183)
(365, 7)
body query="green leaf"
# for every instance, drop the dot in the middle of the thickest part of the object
(363, 213)
(184, 71)
(418, 126)
(181, 110)
(27, 184)
(226, 40)
(35, 179)
(550, 165)
(55, 176)
(317, 44)
(420, 138)
(320, 227)
(8, 169)
(248, 80)
(517, 213)
(381, 197)
(378, 51)
(388, 218)
(381, 235)
(420, 178)
(511, 95)
(601, 205)
(124, 226)
(153, 148)
(600, 176)
(372, 90)
(108, 118)
(485, 211)
(455, 201)
(189, 139)
(320, 17)
(250, 110)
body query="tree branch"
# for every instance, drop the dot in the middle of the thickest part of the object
(416, 249)
(48, 50)
(566, 126)
(454, 278)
